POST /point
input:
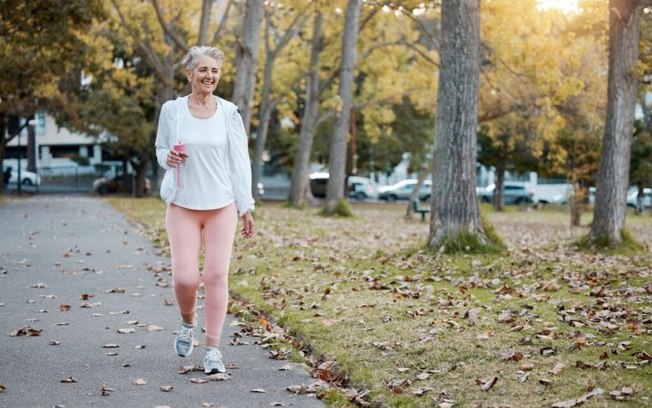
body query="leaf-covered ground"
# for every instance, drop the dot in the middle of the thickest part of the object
(539, 325)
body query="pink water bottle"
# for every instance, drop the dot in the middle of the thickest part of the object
(179, 147)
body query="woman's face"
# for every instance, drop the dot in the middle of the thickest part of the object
(205, 76)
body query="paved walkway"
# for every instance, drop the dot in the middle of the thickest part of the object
(75, 271)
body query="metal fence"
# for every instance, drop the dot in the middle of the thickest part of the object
(68, 179)
(71, 179)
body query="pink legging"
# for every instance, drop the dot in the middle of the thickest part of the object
(186, 231)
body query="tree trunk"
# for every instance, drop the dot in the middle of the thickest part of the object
(455, 209)
(414, 196)
(204, 21)
(498, 201)
(613, 174)
(247, 60)
(299, 187)
(578, 204)
(266, 107)
(337, 154)
(31, 147)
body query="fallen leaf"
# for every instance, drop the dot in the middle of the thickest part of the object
(398, 386)
(558, 368)
(2, 388)
(578, 401)
(258, 391)
(218, 377)
(198, 381)
(166, 388)
(188, 368)
(286, 367)
(64, 308)
(116, 290)
(139, 381)
(105, 390)
(421, 391)
(110, 345)
(643, 356)
(167, 302)
(527, 366)
(86, 296)
(153, 328)
(487, 384)
(69, 380)
(140, 347)
(511, 355)
(304, 389)
(54, 342)
(39, 285)
(126, 331)
(26, 331)
(585, 366)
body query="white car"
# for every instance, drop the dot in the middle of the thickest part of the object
(27, 178)
(403, 190)
(632, 197)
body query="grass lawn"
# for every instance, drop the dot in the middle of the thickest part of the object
(535, 326)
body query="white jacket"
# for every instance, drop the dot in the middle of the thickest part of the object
(238, 151)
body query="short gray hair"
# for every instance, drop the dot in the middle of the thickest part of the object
(190, 60)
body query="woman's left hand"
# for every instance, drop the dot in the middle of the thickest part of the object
(247, 225)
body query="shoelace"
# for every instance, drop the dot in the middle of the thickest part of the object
(185, 335)
(212, 355)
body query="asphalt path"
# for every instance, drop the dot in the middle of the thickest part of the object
(85, 320)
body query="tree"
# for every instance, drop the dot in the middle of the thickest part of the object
(275, 41)
(40, 43)
(455, 213)
(337, 157)
(246, 61)
(299, 186)
(622, 88)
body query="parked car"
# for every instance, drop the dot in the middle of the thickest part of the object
(515, 192)
(360, 188)
(632, 197)
(403, 190)
(27, 178)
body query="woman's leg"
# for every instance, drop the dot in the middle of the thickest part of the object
(184, 233)
(219, 233)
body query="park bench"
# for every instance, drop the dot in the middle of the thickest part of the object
(421, 210)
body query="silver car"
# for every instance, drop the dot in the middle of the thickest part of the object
(403, 190)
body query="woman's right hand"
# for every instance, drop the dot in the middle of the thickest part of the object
(175, 158)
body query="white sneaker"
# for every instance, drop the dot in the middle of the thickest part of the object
(183, 343)
(213, 361)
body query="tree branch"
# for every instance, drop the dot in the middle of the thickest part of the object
(168, 30)
(218, 31)
(155, 61)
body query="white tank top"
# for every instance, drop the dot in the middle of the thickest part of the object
(206, 173)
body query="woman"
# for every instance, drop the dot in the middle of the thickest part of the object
(207, 186)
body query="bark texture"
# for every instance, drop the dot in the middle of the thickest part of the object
(299, 187)
(455, 206)
(337, 154)
(247, 60)
(613, 174)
